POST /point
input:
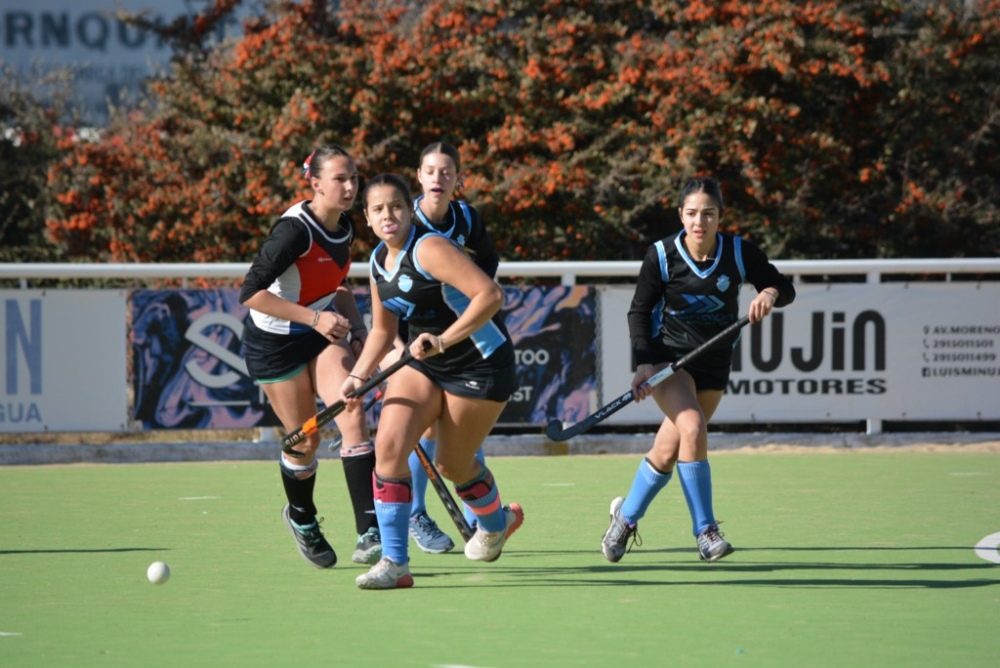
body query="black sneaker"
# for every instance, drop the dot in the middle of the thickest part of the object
(369, 548)
(312, 544)
(711, 545)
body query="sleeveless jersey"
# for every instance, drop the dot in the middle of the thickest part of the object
(680, 303)
(463, 226)
(411, 293)
(300, 261)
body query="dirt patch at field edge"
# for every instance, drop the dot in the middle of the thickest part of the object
(754, 443)
(857, 443)
(68, 451)
(785, 448)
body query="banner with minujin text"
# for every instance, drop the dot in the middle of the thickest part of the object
(846, 352)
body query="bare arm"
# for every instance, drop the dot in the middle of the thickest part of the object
(347, 306)
(331, 325)
(445, 262)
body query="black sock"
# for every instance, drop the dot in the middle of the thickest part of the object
(299, 492)
(358, 472)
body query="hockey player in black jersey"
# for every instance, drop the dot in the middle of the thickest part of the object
(687, 292)
(461, 378)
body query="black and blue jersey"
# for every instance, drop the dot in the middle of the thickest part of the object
(680, 303)
(428, 305)
(463, 225)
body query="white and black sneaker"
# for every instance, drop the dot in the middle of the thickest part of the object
(615, 543)
(711, 545)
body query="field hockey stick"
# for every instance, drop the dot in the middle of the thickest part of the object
(338, 438)
(313, 424)
(555, 430)
(442, 491)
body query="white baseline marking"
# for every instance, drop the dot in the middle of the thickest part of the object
(8, 634)
(987, 548)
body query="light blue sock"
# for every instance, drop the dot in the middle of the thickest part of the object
(645, 486)
(696, 481)
(481, 494)
(470, 516)
(419, 476)
(394, 525)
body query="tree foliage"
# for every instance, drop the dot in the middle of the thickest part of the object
(862, 129)
(27, 148)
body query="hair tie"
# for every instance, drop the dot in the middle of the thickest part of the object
(306, 164)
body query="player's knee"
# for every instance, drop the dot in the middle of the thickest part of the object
(691, 429)
(452, 470)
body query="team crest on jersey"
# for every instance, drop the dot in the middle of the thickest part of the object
(405, 283)
(723, 283)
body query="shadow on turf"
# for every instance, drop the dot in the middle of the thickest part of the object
(84, 551)
(562, 576)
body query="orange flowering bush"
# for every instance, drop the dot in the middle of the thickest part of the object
(837, 130)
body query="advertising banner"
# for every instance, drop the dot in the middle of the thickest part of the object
(189, 371)
(554, 330)
(846, 352)
(63, 362)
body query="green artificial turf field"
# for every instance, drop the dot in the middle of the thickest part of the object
(843, 559)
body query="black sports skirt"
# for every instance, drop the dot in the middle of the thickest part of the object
(270, 357)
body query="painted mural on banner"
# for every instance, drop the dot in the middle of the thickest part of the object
(187, 368)
(554, 330)
(188, 371)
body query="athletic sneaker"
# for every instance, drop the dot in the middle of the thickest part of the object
(369, 547)
(386, 574)
(614, 545)
(312, 544)
(711, 546)
(428, 536)
(486, 545)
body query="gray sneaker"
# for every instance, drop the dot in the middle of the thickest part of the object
(369, 548)
(486, 545)
(711, 545)
(428, 536)
(312, 545)
(614, 545)
(386, 574)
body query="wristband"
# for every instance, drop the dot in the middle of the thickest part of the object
(315, 319)
(772, 295)
(441, 345)
(351, 375)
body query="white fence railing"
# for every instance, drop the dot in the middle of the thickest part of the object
(566, 271)
(869, 350)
